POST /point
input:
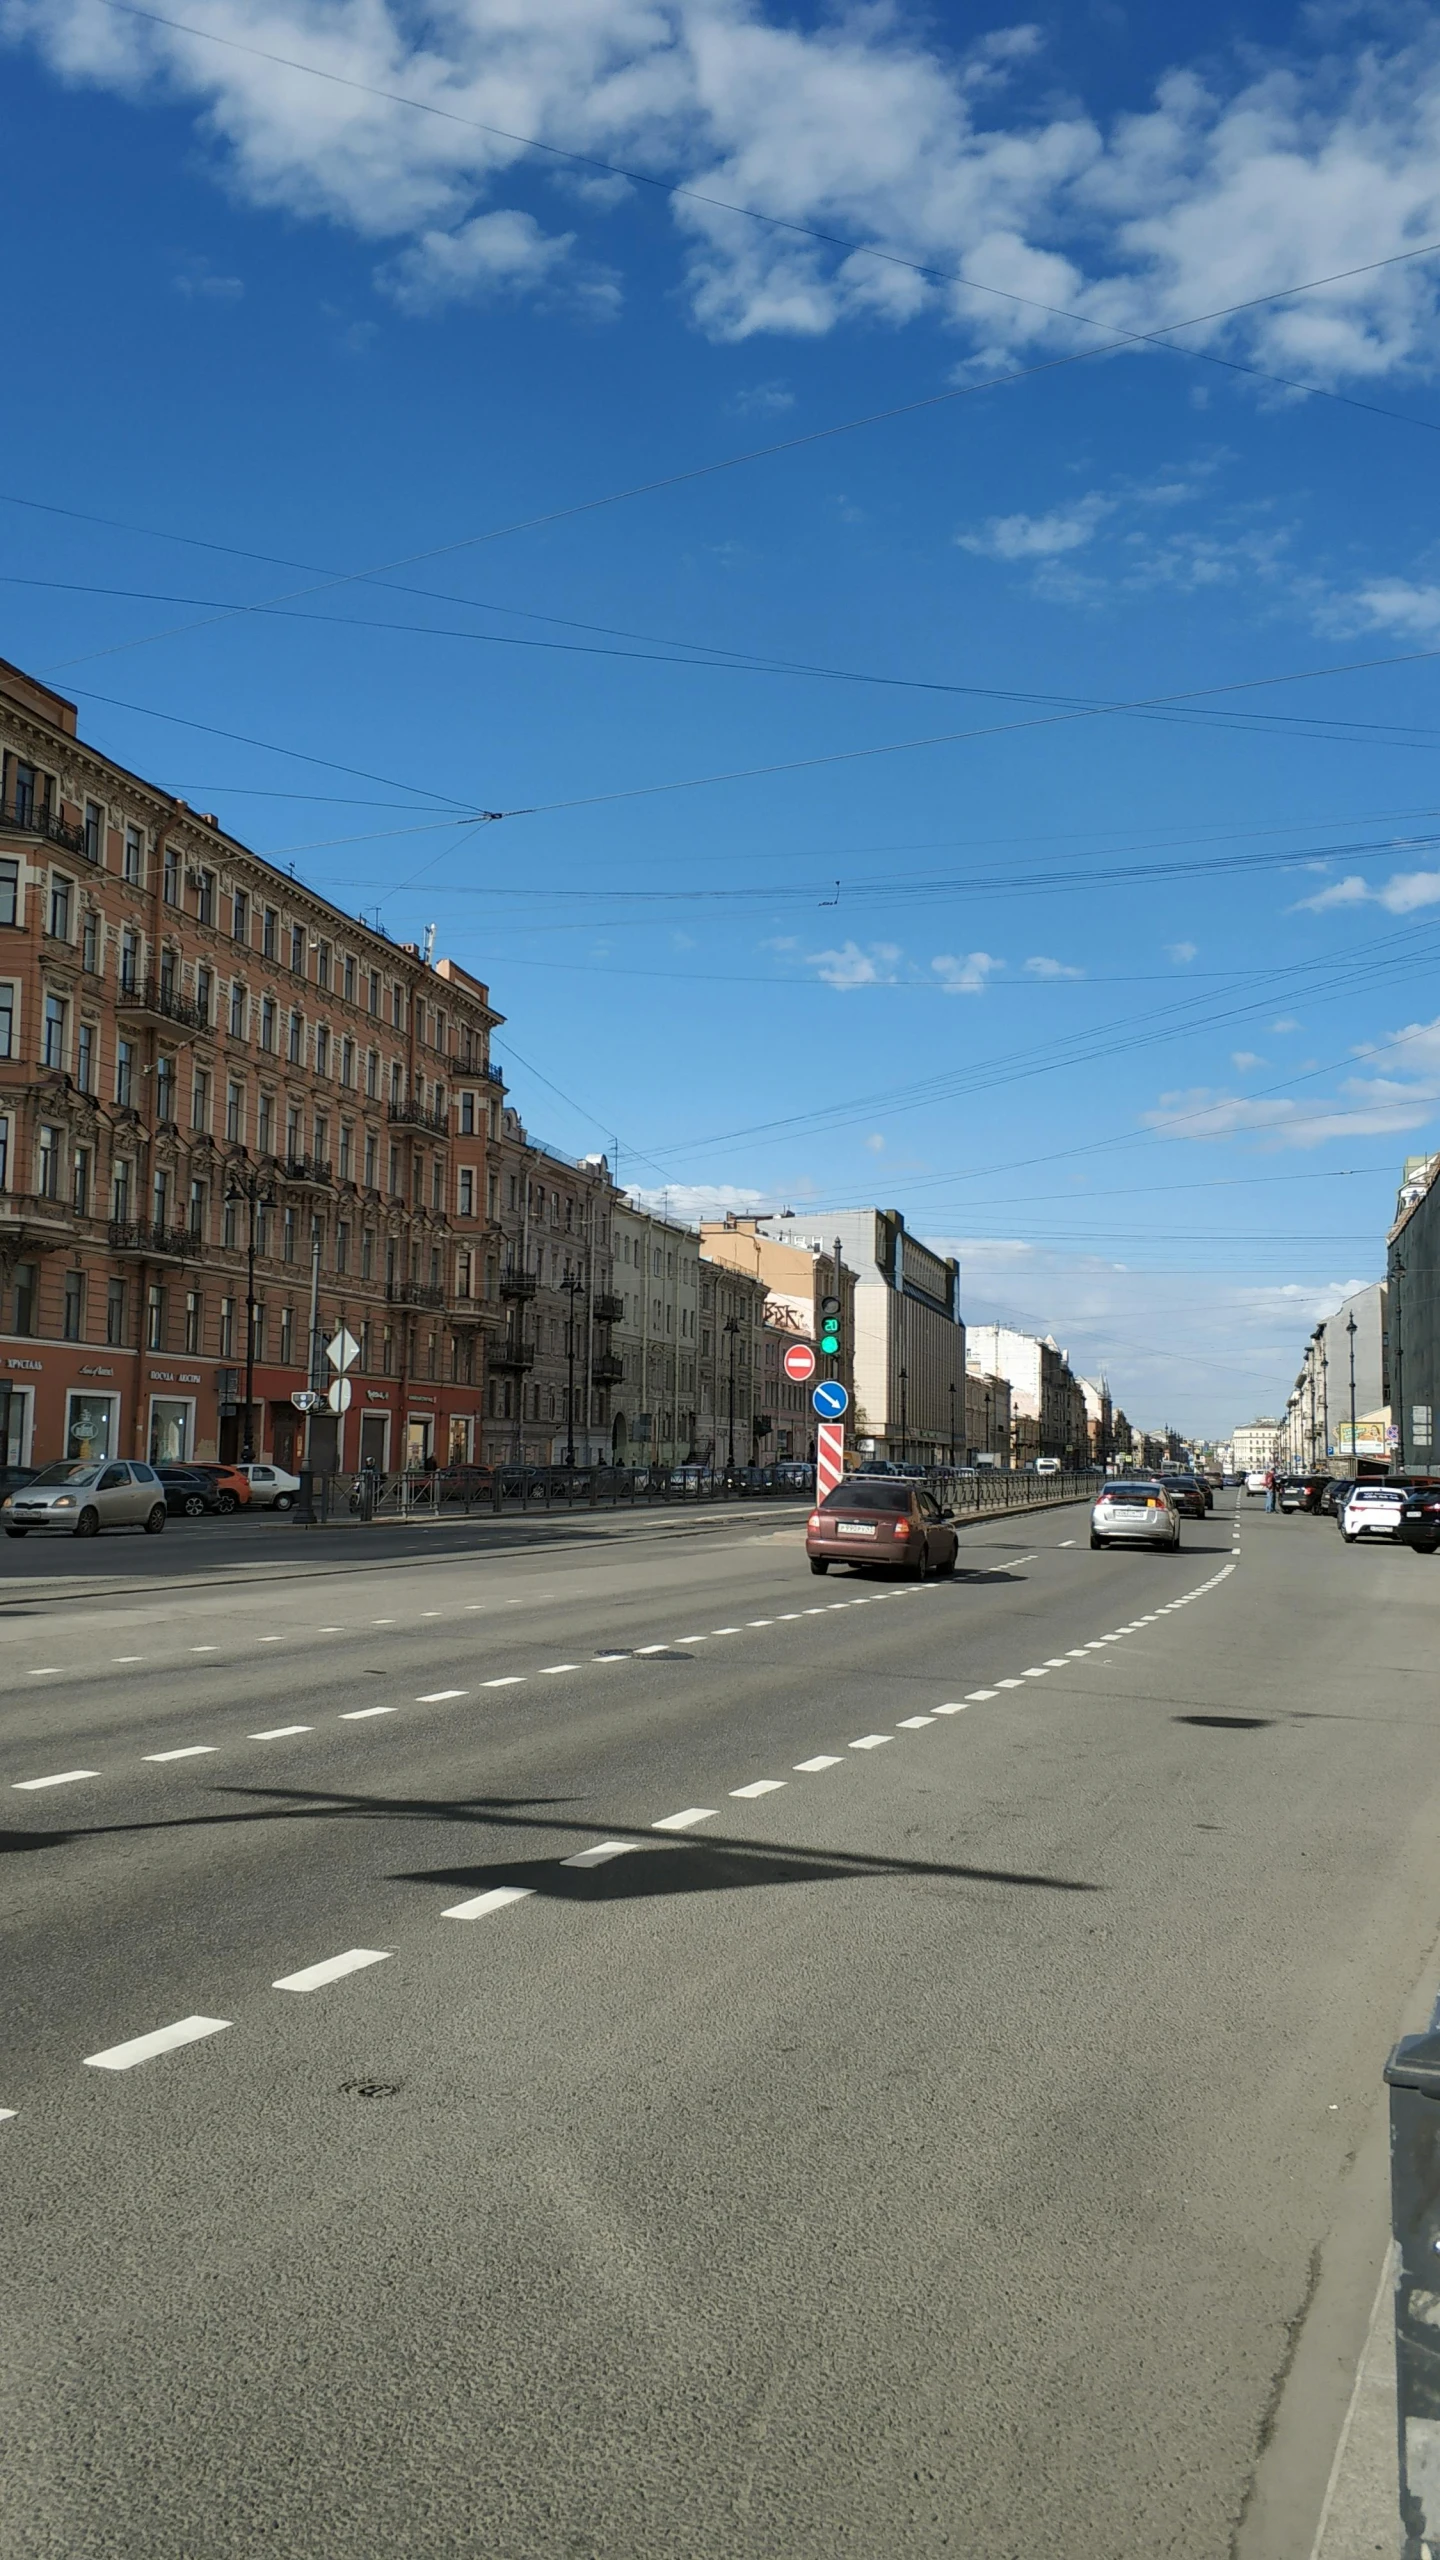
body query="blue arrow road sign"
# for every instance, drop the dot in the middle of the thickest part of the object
(830, 1399)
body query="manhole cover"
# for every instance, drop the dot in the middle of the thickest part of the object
(370, 2088)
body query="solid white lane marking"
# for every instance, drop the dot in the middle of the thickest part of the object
(957, 1706)
(357, 1715)
(759, 1787)
(312, 1976)
(499, 1897)
(62, 1778)
(546, 1668)
(822, 1760)
(512, 1680)
(435, 1697)
(597, 1856)
(278, 1732)
(870, 1742)
(187, 1751)
(973, 1696)
(911, 1724)
(123, 2057)
(685, 1821)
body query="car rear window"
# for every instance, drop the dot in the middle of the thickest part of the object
(865, 1494)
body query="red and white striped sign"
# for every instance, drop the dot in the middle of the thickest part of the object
(829, 1458)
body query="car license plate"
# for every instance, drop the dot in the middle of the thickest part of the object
(855, 1528)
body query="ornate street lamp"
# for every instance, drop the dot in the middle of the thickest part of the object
(244, 1183)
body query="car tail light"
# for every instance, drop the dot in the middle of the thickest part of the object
(902, 1528)
(814, 1520)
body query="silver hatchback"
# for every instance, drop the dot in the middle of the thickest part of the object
(84, 1496)
(1135, 1512)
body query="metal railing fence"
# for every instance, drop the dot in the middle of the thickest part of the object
(507, 1490)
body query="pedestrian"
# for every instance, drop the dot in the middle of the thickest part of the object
(1269, 1488)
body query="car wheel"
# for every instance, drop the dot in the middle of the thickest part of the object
(283, 1502)
(226, 1502)
(88, 1524)
(155, 1521)
(819, 1564)
(16, 1533)
(951, 1561)
(1094, 1541)
(193, 1506)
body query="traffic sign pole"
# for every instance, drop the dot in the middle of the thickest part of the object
(829, 1458)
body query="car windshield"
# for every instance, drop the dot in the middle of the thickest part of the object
(866, 1494)
(68, 1471)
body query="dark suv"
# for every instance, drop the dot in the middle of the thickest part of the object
(1419, 1522)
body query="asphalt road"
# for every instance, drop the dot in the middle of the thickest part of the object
(915, 2127)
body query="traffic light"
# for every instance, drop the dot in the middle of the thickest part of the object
(830, 1328)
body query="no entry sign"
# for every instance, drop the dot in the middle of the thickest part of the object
(799, 1361)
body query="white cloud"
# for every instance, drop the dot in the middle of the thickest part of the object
(1286, 1022)
(1180, 952)
(851, 967)
(687, 1202)
(197, 281)
(763, 400)
(1372, 1105)
(1039, 537)
(1040, 967)
(1387, 604)
(1400, 895)
(965, 975)
(494, 253)
(1221, 188)
(1244, 1059)
(875, 1143)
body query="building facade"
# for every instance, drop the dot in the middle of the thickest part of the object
(909, 1342)
(1413, 1276)
(552, 1367)
(797, 1273)
(732, 1367)
(987, 1415)
(657, 1335)
(223, 1103)
(1047, 1408)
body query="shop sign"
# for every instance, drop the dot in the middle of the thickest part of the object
(97, 1373)
(377, 1395)
(12, 1363)
(171, 1377)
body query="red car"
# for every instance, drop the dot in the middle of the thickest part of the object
(232, 1486)
(881, 1523)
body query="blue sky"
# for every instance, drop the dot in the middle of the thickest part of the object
(1134, 1010)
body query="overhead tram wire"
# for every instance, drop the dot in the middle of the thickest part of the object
(1162, 338)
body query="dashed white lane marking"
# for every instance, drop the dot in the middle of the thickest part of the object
(7, 2114)
(911, 1724)
(187, 1751)
(690, 1639)
(1067, 1542)
(546, 1669)
(389, 1622)
(838, 1604)
(818, 1612)
(512, 1680)
(787, 1614)
(616, 1654)
(44, 1670)
(958, 1706)
(436, 1697)
(760, 1622)
(685, 1821)
(62, 1778)
(139, 1657)
(725, 1631)
(1055, 1662)
(759, 1787)
(312, 1977)
(267, 1639)
(1005, 1567)
(1008, 1684)
(479, 1907)
(1037, 1671)
(279, 1732)
(204, 1648)
(652, 1648)
(359, 1715)
(870, 1742)
(974, 1696)
(123, 2057)
(822, 1760)
(425, 1613)
(330, 1631)
(597, 1857)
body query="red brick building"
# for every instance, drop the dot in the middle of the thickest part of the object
(199, 1056)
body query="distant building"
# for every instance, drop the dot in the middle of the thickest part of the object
(909, 1340)
(1255, 1444)
(1099, 1420)
(796, 1274)
(1047, 1409)
(987, 1416)
(1414, 1313)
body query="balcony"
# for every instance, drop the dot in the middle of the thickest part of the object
(607, 1369)
(414, 1293)
(608, 1308)
(155, 1001)
(36, 1213)
(474, 1311)
(420, 1115)
(513, 1353)
(152, 1243)
(306, 1173)
(28, 818)
(518, 1284)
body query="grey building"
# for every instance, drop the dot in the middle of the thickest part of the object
(909, 1347)
(1413, 1274)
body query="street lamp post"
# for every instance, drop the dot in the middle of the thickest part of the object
(904, 1421)
(1398, 1269)
(1352, 1329)
(732, 1327)
(952, 1426)
(572, 1284)
(243, 1183)
(988, 1401)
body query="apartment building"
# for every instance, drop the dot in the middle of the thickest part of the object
(733, 1425)
(554, 1374)
(797, 1273)
(221, 1097)
(656, 1337)
(987, 1416)
(1046, 1406)
(909, 1342)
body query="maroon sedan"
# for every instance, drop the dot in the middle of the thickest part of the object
(881, 1523)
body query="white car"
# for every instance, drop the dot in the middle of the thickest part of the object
(1255, 1481)
(1135, 1511)
(1373, 1511)
(271, 1488)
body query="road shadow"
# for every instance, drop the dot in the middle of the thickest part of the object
(681, 1867)
(1229, 1724)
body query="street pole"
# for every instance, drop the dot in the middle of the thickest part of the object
(952, 1426)
(314, 1359)
(1399, 1271)
(571, 1282)
(904, 1417)
(1352, 1329)
(732, 1327)
(247, 1444)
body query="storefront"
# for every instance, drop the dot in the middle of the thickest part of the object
(172, 1430)
(92, 1424)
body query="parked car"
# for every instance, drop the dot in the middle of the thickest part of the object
(1373, 1511)
(1289, 1493)
(189, 1492)
(272, 1488)
(881, 1522)
(232, 1485)
(12, 1478)
(1420, 1519)
(1337, 1493)
(84, 1496)
(1189, 1496)
(1136, 1511)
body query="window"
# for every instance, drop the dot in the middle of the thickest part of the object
(25, 1288)
(9, 891)
(371, 1151)
(322, 1138)
(7, 1022)
(80, 1181)
(467, 1115)
(418, 1017)
(437, 1185)
(492, 1195)
(287, 1336)
(204, 994)
(268, 1019)
(395, 1083)
(322, 1049)
(467, 1192)
(227, 1328)
(90, 942)
(287, 1236)
(72, 1310)
(230, 1225)
(397, 1005)
(347, 1150)
(393, 1183)
(200, 1100)
(240, 915)
(155, 1318)
(295, 1043)
(297, 949)
(60, 891)
(347, 1063)
(342, 1246)
(265, 1125)
(170, 875)
(120, 1184)
(24, 793)
(94, 832)
(197, 1209)
(47, 1164)
(367, 1253)
(235, 1113)
(165, 1088)
(270, 934)
(293, 1148)
(372, 1076)
(322, 964)
(194, 1320)
(237, 1010)
(205, 898)
(114, 1311)
(134, 857)
(372, 1004)
(169, 971)
(56, 1017)
(348, 980)
(129, 960)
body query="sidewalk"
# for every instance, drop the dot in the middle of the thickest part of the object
(1361, 2516)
